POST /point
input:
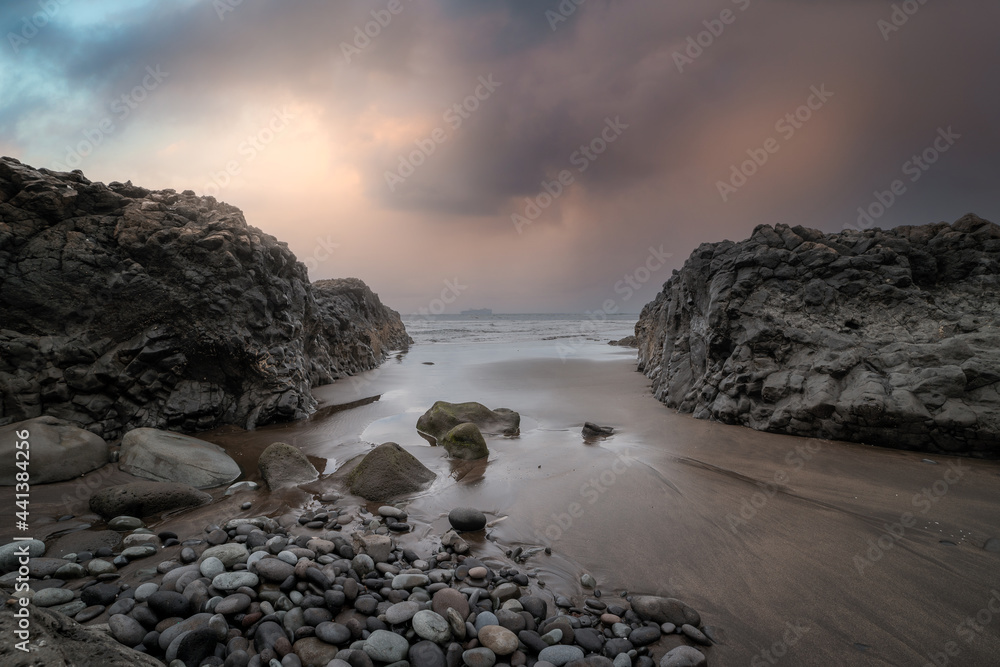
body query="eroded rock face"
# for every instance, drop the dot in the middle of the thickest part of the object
(122, 307)
(882, 337)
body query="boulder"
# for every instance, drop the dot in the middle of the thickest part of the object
(141, 499)
(58, 641)
(592, 430)
(443, 416)
(627, 341)
(171, 457)
(465, 442)
(57, 450)
(125, 307)
(885, 337)
(664, 610)
(388, 471)
(284, 465)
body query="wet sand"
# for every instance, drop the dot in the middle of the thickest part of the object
(763, 534)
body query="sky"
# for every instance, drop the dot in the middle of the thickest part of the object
(519, 155)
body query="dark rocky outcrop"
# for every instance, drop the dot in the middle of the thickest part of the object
(883, 337)
(122, 307)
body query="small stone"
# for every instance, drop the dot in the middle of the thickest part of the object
(126, 630)
(498, 639)
(466, 519)
(696, 635)
(385, 646)
(684, 656)
(230, 581)
(426, 654)
(122, 523)
(588, 581)
(479, 657)
(561, 654)
(211, 567)
(143, 591)
(401, 612)
(431, 626)
(333, 633)
(50, 597)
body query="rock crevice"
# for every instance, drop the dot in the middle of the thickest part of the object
(886, 337)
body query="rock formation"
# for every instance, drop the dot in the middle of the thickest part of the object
(122, 307)
(882, 337)
(444, 416)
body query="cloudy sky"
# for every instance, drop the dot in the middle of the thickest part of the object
(528, 155)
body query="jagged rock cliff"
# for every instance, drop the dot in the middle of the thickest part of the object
(882, 337)
(122, 307)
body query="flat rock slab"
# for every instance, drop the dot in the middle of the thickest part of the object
(141, 499)
(164, 456)
(57, 451)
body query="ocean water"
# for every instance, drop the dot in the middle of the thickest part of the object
(572, 329)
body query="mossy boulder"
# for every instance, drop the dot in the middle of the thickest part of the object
(388, 471)
(443, 417)
(283, 465)
(465, 442)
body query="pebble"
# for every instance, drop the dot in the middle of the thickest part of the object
(479, 657)
(386, 646)
(696, 635)
(401, 612)
(126, 630)
(333, 633)
(498, 639)
(50, 597)
(467, 519)
(684, 656)
(122, 523)
(561, 654)
(431, 626)
(588, 581)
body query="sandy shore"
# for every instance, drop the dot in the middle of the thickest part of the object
(827, 553)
